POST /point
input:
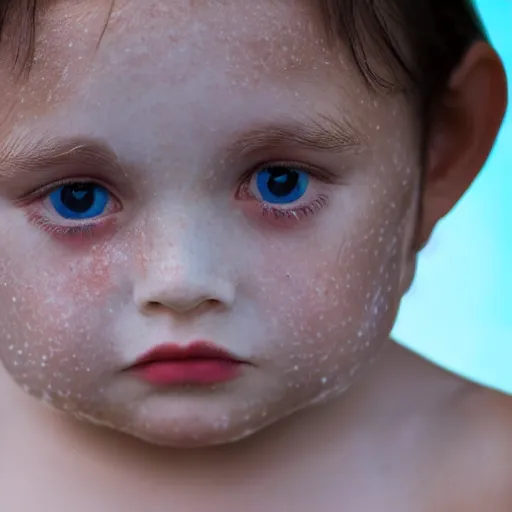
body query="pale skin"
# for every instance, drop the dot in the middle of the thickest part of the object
(173, 108)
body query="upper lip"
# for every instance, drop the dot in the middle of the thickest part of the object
(195, 350)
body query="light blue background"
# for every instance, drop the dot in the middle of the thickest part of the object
(459, 310)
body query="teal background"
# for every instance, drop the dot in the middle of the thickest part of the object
(458, 312)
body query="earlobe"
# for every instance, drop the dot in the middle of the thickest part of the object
(464, 124)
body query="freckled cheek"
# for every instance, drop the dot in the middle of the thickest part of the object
(33, 348)
(90, 279)
(297, 291)
(53, 328)
(320, 297)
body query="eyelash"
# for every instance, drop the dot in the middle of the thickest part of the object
(292, 213)
(298, 212)
(79, 229)
(89, 228)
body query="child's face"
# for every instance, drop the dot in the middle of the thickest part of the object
(193, 234)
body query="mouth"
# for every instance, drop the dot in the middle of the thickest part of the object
(199, 363)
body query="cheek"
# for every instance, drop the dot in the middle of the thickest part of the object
(51, 312)
(90, 278)
(331, 310)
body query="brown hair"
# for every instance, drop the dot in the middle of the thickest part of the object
(420, 41)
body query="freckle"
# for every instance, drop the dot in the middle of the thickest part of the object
(11, 347)
(20, 352)
(324, 380)
(14, 299)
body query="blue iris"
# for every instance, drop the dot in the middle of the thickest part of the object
(281, 185)
(79, 200)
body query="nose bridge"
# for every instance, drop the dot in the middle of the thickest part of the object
(182, 267)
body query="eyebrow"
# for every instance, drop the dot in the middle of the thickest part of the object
(19, 156)
(322, 133)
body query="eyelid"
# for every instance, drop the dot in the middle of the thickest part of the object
(315, 172)
(44, 190)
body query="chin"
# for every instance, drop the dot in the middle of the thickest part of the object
(184, 421)
(188, 433)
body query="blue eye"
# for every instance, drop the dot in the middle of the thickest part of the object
(281, 185)
(79, 200)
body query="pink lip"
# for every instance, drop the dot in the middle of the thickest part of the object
(200, 363)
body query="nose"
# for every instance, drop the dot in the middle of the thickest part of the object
(183, 275)
(183, 291)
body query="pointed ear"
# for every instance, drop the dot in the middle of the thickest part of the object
(464, 124)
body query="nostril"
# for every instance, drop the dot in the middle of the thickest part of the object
(156, 305)
(154, 296)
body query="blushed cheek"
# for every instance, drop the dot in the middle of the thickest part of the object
(330, 310)
(51, 339)
(90, 277)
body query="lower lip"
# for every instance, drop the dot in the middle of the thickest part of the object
(191, 372)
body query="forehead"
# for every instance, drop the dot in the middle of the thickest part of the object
(264, 37)
(97, 56)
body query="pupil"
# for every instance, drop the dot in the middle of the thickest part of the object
(78, 198)
(282, 183)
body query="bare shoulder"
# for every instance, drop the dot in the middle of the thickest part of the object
(486, 416)
(462, 436)
(476, 469)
